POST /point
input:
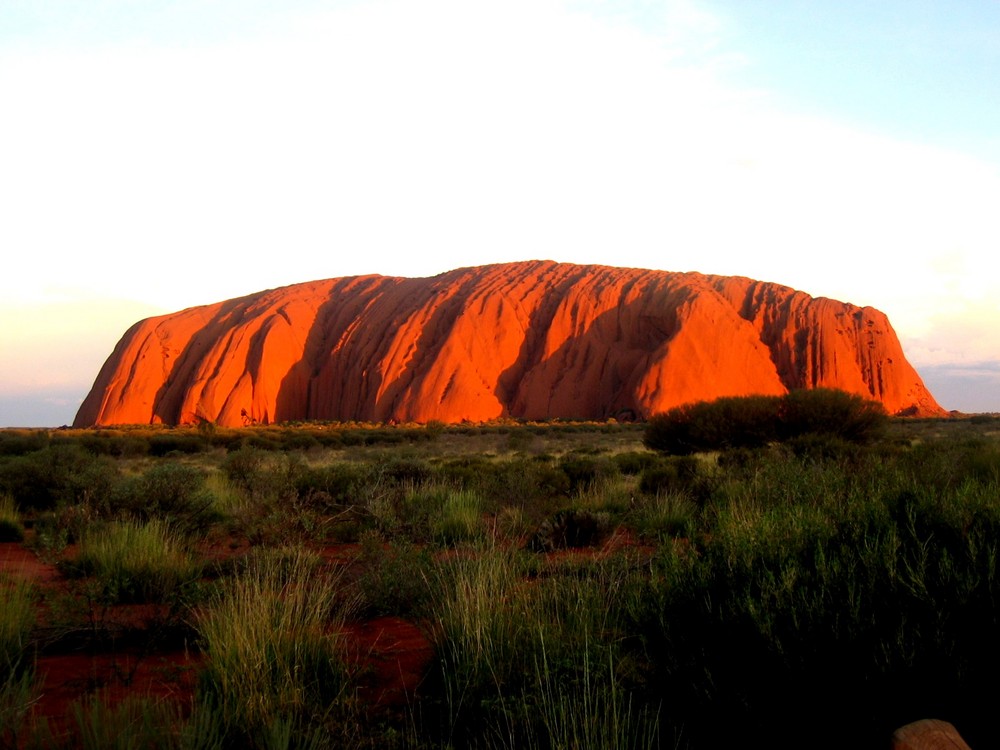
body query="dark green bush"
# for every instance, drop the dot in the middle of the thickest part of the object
(243, 467)
(827, 411)
(264, 475)
(336, 484)
(114, 443)
(393, 578)
(520, 481)
(22, 442)
(583, 470)
(383, 436)
(741, 460)
(714, 425)
(405, 470)
(463, 471)
(182, 441)
(57, 475)
(298, 440)
(982, 461)
(633, 462)
(673, 474)
(979, 419)
(569, 529)
(824, 447)
(947, 464)
(172, 492)
(11, 528)
(754, 421)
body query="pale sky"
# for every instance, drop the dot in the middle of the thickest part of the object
(159, 155)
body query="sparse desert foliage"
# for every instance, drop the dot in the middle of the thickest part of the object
(564, 586)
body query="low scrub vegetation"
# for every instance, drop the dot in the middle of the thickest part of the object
(801, 567)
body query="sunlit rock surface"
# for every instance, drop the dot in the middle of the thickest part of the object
(529, 340)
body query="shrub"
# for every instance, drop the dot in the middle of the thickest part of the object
(338, 484)
(243, 466)
(393, 578)
(463, 471)
(612, 493)
(585, 470)
(674, 474)
(522, 481)
(225, 499)
(18, 695)
(633, 462)
(17, 619)
(405, 470)
(826, 411)
(820, 591)
(182, 441)
(58, 474)
(982, 462)
(591, 711)
(482, 625)
(753, 421)
(172, 492)
(22, 442)
(263, 475)
(667, 514)
(535, 665)
(571, 528)
(734, 422)
(114, 443)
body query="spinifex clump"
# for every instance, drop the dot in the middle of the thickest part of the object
(271, 638)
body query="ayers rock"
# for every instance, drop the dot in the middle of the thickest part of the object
(526, 340)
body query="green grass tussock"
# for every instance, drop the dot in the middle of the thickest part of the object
(11, 528)
(136, 562)
(272, 645)
(17, 620)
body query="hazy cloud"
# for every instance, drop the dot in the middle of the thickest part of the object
(410, 138)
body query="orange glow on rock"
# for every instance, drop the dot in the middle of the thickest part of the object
(531, 340)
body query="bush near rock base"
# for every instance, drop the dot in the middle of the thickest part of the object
(752, 421)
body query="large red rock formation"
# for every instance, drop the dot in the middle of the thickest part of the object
(531, 340)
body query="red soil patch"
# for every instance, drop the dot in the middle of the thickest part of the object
(17, 560)
(65, 678)
(340, 554)
(393, 655)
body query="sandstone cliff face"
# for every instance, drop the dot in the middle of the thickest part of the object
(530, 340)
